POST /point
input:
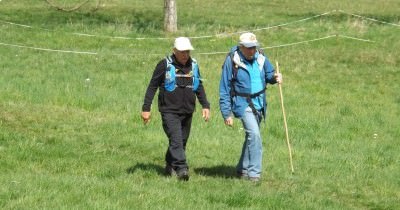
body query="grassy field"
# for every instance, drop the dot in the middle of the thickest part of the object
(71, 136)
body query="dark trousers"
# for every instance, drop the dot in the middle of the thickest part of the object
(177, 128)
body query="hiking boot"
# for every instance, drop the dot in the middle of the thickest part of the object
(183, 175)
(169, 170)
(242, 175)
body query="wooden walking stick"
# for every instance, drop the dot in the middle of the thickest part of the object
(284, 120)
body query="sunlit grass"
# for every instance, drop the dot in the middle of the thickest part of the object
(71, 136)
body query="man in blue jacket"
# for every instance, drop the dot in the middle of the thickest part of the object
(245, 74)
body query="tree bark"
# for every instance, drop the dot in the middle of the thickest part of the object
(170, 17)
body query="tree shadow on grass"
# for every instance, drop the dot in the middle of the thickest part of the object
(223, 171)
(146, 167)
(135, 19)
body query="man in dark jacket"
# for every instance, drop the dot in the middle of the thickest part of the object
(178, 79)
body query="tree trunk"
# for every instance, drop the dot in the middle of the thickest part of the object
(170, 17)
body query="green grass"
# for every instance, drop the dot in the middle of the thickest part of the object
(71, 143)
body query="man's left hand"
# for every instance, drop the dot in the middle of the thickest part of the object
(278, 78)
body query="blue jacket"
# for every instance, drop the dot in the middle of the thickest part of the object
(238, 104)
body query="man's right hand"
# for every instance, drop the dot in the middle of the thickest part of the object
(229, 121)
(146, 117)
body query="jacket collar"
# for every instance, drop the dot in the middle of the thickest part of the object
(238, 58)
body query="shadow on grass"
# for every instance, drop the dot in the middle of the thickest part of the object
(146, 167)
(223, 171)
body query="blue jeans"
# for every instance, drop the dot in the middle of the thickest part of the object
(251, 157)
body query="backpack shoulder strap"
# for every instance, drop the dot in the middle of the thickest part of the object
(235, 67)
(261, 51)
(168, 60)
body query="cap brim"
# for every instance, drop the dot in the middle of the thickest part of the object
(184, 48)
(251, 44)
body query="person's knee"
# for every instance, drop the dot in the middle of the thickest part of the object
(254, 133)
(176, 145)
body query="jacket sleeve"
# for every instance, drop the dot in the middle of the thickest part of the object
(269, 72)
(155, 82)
(225, 88)
(201, 95)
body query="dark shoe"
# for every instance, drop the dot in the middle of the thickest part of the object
(183, 175)
(169, 170)
(241, 175)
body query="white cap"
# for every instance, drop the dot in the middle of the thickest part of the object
(183, 44)
(248, 40)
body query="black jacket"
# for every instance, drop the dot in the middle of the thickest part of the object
(182, 100)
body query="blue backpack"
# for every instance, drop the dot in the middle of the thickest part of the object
(171, 74)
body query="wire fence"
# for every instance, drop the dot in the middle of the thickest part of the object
(280, 25)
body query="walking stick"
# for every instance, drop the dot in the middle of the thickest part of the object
(284, 120)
